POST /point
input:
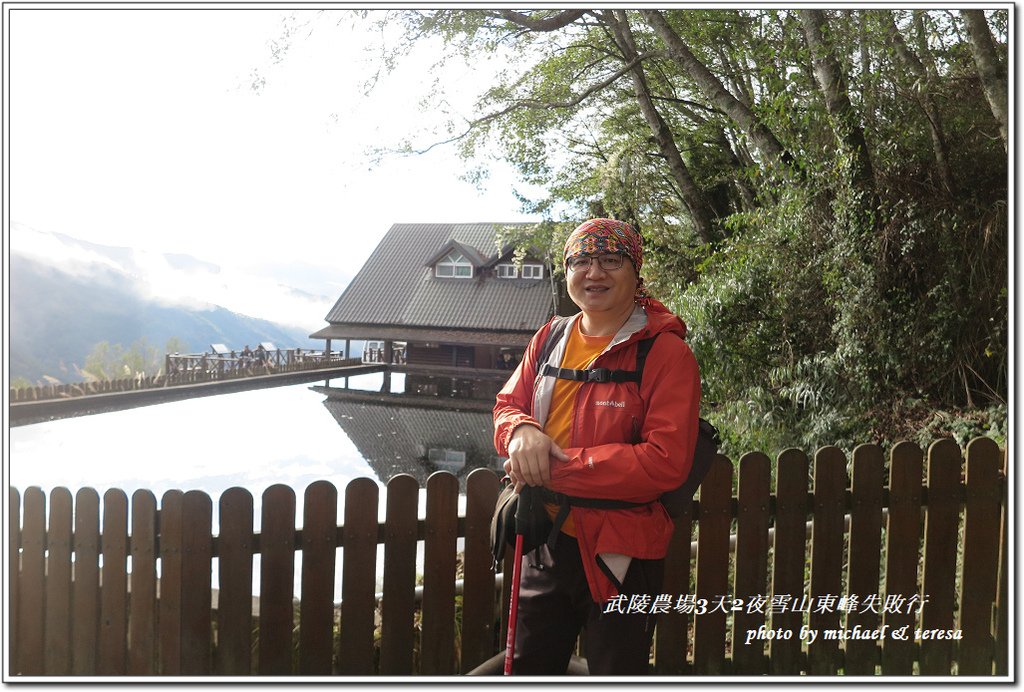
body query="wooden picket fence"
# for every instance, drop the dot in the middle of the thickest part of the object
(926, 549)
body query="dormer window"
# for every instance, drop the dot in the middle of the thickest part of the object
(507, 271)
(533, 271)
(454, 265)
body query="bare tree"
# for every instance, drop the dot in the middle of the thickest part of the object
(990, 70)
(715, 91)
(925, 85)
(692, 196)
(832, 83)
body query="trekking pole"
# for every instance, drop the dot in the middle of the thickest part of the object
(522, 512)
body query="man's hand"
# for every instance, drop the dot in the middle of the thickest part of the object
(529, 457)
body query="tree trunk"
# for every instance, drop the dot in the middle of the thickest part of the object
(715, 92)
(692, 196)
(913, 64)
(832, 83)
(923, 51)
(747, 194)
(990, 71)
(868, 94)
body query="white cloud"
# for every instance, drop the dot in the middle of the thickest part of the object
(140, 128)
(194, 285)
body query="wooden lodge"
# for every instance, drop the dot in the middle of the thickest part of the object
(446, 294)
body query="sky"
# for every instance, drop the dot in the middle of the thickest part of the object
(241, 137)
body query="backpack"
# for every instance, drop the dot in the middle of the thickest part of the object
(675, 501)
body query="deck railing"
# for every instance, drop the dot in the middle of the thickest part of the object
(191, 369)
(897, 575)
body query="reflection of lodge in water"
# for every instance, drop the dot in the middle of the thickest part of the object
(438, 424)
(437, 302)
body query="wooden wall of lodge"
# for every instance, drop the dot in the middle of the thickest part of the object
(64, 622)
(450, 355)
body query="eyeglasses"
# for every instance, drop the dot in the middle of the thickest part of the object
(583, 262)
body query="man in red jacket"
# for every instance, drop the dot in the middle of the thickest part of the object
(607, 440)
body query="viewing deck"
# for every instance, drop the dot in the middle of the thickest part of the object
(214, 376)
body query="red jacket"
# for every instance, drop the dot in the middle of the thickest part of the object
(625, 443)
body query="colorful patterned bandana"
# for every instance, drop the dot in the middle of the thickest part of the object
(606, 237)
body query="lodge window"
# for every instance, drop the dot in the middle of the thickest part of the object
(454, 266)
(533, 271)
(446, 456)
(507, 271)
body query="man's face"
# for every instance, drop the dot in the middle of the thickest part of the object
(597, 290)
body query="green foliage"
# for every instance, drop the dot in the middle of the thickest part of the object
(545, 240)
(112, 361)
(963, 426)
(854, 289)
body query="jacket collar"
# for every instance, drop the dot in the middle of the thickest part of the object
(634, 324)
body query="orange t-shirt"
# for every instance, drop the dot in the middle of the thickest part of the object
(580, 352)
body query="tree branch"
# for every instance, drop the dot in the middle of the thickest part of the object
(559, 21)
(535, 104)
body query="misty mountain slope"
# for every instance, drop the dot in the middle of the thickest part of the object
(56, 318)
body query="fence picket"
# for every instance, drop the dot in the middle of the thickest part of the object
(55, 574)
(196, 582)
(862, 655)
(142, 598)
(903, 537)
(790, 547)
(751, 578)
(478, 598)
(826, 557)
(58, 583)
(941, 535)
(1002, 629)
(398, 602)
(358, 580)
(713, 567)
(85, 596)
(437, 651)
(31, 591)
(234, 600)
(671, 638)
(319, 550)
(169, 592)
(277, 565)
(981, 557)
(113, 643)
(14, 567)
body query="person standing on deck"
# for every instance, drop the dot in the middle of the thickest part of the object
(599, 439)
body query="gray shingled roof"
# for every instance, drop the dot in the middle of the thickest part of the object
(395, 287)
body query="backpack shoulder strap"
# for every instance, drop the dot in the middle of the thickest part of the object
(558, 325)
(643, 347)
